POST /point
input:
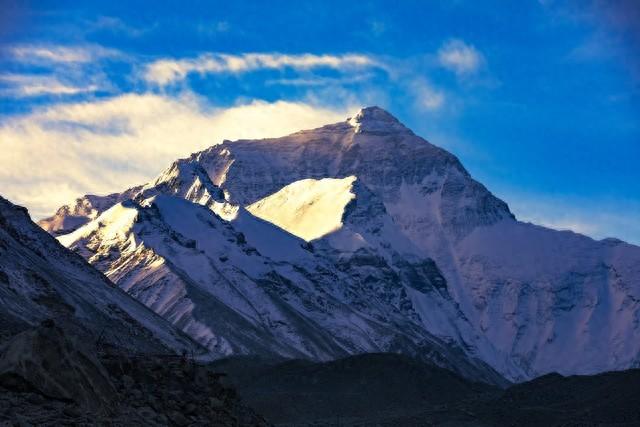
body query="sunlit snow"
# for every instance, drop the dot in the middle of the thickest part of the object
(309, 208)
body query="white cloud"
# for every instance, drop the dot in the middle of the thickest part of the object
(56, 54)
(24, 85)
(459, 57)
(166, 71)
(61, 152)
(571, 224)
(321, 81)
(53, 54)
(59, 69)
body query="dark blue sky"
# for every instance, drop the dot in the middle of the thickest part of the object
(539, 99)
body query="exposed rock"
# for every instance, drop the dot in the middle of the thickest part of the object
(47, 361)
(47, 378)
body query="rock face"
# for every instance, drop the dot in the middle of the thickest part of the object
(47, 361)
(414, 256)
(49, 377)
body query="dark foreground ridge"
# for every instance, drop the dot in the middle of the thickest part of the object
(49, 378)
(395, 390)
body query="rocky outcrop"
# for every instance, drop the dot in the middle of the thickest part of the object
(48, 377)
(47, 361)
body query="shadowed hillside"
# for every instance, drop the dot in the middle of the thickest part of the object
(394, 390)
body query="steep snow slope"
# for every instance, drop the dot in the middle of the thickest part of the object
(84, 209)
(247, 287)
(423, 245)
(344, 211)
(437, 205)
(555, 301)
(374, 147)
(308, 208)
(41, 279)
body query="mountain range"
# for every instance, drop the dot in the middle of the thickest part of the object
(359, 237)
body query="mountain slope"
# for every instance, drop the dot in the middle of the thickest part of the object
(84, 209)
(356, 390)
(395, 390)
(41, 279)
(421, 247)
(247, 287)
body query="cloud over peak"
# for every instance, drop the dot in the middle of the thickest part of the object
(57, 153)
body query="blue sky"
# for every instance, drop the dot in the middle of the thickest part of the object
(539, 99)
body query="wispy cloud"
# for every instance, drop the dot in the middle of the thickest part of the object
(117, 25)
(460, 57)
(213, 28)
(60, 70)
(378, 28)
(166, 71)
(321, 81)
(427, 97)
(26, 85)
(57, 153)
(101, 146)
(56, 54)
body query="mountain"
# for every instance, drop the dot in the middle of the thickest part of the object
(361, 236)
(40, 279)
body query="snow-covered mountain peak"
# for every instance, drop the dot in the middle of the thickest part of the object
(401, 236)
(376, 120)
(186, 179)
